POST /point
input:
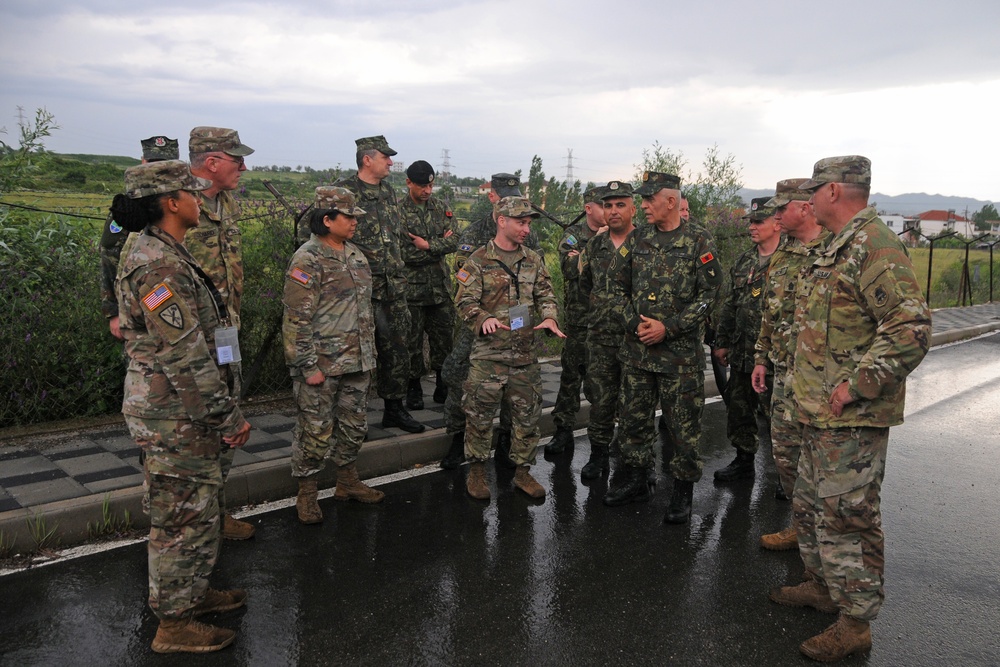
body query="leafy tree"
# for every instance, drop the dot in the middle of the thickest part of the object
(709, 192)
(984, 216)
(16, 163)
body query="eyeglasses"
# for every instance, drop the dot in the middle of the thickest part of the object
(239, 161)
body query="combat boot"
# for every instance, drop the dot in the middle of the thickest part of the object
(846, 636)
(185, 635)
(783, 540)
(562, 439)
(524, 481)
(415, 395)
(597, 465)
(742, 467)
(679, 510)
(635, 488)
(234, 529)
(807, 594)
(306, 504)
(456, 454)
(475, 483)
(440, 389)
(219, 601)
(396, 415)
(350, 487)
(502, 455)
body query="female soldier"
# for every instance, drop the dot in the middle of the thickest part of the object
(178, 401)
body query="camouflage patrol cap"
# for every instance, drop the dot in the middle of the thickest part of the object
(654, 181)
(855, 169)
(506, 185)
(205, 139)
(160, 148)
(617, 189)
(157, 178)
(594, 194)
(789, 190)
(376, 143)
(759, 210)
(516, 207)
(331, 198)
(420, 172)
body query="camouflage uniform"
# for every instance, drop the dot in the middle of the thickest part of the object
(328, 326)
(504, 365)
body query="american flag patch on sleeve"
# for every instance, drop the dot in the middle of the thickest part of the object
(301, 276)
(463, 276)
(155, 299)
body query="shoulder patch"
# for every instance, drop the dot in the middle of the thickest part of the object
(465, 247)
(448, 213)
(462, 276)
(155, 298)
(114, 227)
(706, 258)
(172, 315)
(299, 275)
(570, 240)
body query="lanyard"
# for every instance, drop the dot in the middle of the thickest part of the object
(513, 276)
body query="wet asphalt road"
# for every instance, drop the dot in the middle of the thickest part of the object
(432, 577)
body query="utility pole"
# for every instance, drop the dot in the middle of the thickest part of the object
(445, 166)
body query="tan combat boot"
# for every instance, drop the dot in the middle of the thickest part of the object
(475, 483)
(846, 636)
(184, 635)
(217, 601)
(783, 540)
(349, 487)
(807, 594)
(306, 504)
(234, 529)
(524, 481)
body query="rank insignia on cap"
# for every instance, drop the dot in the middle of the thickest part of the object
(706, 258)
(161, 142)
(462, 276)
(623, 251)
(465, 248)
(645, 176)
(172, 315)
(613, 185)
(155, 299)
(512, 182)
(300, 275)
(115, 227)
(753, 206)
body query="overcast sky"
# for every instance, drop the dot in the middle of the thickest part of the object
(913, 85)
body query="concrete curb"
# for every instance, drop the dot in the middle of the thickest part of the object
(953, 335)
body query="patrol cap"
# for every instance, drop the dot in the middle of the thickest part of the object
(654, 181)
(516, 207)
(594, 194)
(855, 169)
(376, 143)
(157, 178)
(617, 189)
(506, 185)
(205, 139)
(759, 210)
(789, 190)
(160, 148)
(420, 172)
(330, 197)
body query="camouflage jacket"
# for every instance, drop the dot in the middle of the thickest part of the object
(600, 262)
(864, 321)
(169, 318)
(486, 289)
(380, 236)
(672, 277)
(329, 324)
(217, 246)
(739, 322)
(112, 241)
(481, 232)
(428, 281)
(574, 304)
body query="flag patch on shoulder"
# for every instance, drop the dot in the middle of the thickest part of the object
(300, 275)
(462, 276)
(706, 258)
(155, 299)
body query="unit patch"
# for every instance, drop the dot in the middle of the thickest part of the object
(172, 315)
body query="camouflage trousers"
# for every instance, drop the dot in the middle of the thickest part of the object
(227, 453)
(491, 384)
(574, 372)
(332, 421)
(748, 420)
(392, 335)
(454, 371)
(683, 399)
(437, 321)
(838, 518)
(603, 385)
(786, 440)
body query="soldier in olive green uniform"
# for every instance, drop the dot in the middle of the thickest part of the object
(329, 339)
(748, 419)
(865, 327)
(179, 404)
(380, 236)
(503, 289)
(670, 280)
(430, 238)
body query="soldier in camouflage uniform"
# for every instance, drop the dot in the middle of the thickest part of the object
(431, 237)
(670, 279)
(787, 275)
(154, 149)
(865, 327)
(599, 262)
(179, 404)
(380, 236)
(503, 289)
(329, 340)
(748, 419)
(573, 359)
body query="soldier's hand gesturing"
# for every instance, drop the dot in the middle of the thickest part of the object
(550, 324)
(492, 325)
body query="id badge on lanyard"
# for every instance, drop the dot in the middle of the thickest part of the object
(227, 345)
(520, 317)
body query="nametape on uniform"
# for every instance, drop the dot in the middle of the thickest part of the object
(155, 299)
(301, 276)
(706, 258)
(462, 276)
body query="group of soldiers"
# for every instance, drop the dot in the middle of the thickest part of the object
(822, 324)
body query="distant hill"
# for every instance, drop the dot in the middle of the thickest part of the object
(117, 160)
(906, 204)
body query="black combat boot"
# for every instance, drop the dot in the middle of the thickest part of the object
(597, 465)
(679, 510)
(456, 454)
(396, 415)
(502, 455)
(742, 467)
(440, 389)
(415, 395)
(634, 489)
(562, 439)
